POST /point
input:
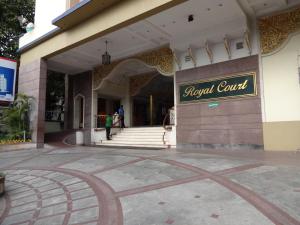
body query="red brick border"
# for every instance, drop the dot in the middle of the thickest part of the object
(275, 214)
(110, 210)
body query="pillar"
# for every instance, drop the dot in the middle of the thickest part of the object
(66, 103)
(32, 82)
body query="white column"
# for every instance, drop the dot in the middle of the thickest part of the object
(126, 102)
(175, 99)
(94, 108)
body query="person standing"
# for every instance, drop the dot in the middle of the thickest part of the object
(121, 116)
(108, 125)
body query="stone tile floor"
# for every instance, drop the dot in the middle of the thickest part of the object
(89, 186)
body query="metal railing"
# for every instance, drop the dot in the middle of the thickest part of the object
(100, 121)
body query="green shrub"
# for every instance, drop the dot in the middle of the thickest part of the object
(16, 118)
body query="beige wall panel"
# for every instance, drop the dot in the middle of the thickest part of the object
(116, 17)
(281, 83)
(282, 136)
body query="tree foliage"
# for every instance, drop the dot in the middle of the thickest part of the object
(16, 118)
(10, 28)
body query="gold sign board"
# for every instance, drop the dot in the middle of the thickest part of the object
(240, 85)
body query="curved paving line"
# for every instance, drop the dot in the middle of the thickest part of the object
(27, 158)
(271, 211)
(116, 166)
(66, 191)
(7, 208)
(171, 183)
(110, 209)
(39, 201)
(158, 186)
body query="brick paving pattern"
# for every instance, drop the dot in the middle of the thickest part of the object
(92, 186)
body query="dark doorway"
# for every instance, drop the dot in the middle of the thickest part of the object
(55, 101)
(106, 106)
(151, 104)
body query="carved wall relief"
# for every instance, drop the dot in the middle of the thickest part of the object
(101, 72)
(275, 30)
(160, 59)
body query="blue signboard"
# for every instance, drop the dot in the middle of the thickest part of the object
(7, 79)
(6, 82)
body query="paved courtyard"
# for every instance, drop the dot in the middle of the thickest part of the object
(89, 186)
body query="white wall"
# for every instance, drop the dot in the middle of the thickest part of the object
(45, 12)
(281, 82)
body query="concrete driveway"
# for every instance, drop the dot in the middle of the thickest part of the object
(84, 185)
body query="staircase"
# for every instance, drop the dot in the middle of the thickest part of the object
(148, 137)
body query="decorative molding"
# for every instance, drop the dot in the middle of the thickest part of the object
(275, 30)
(247, 41)
(190, 52)
(176, 59)
(136, 83)
(161, 59)
(209, 52)
(102, 72)
(79, 95)
(227, 47)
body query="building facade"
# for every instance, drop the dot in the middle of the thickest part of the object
(228, 70)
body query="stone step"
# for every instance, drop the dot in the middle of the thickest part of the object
(160, 129)
(142, 134)
(133, 138)
(149, 128)
(138, 137)
(132, 145)
(133, 142)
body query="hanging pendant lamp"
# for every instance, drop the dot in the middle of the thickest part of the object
(106, 57)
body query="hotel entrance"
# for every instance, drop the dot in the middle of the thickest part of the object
(146, 92)
(106, 106)
(151, 104)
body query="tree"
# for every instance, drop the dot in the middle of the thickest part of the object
(10, 27)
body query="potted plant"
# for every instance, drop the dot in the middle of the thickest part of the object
(2, 183)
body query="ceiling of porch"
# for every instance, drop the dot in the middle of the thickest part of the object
(213, 20)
